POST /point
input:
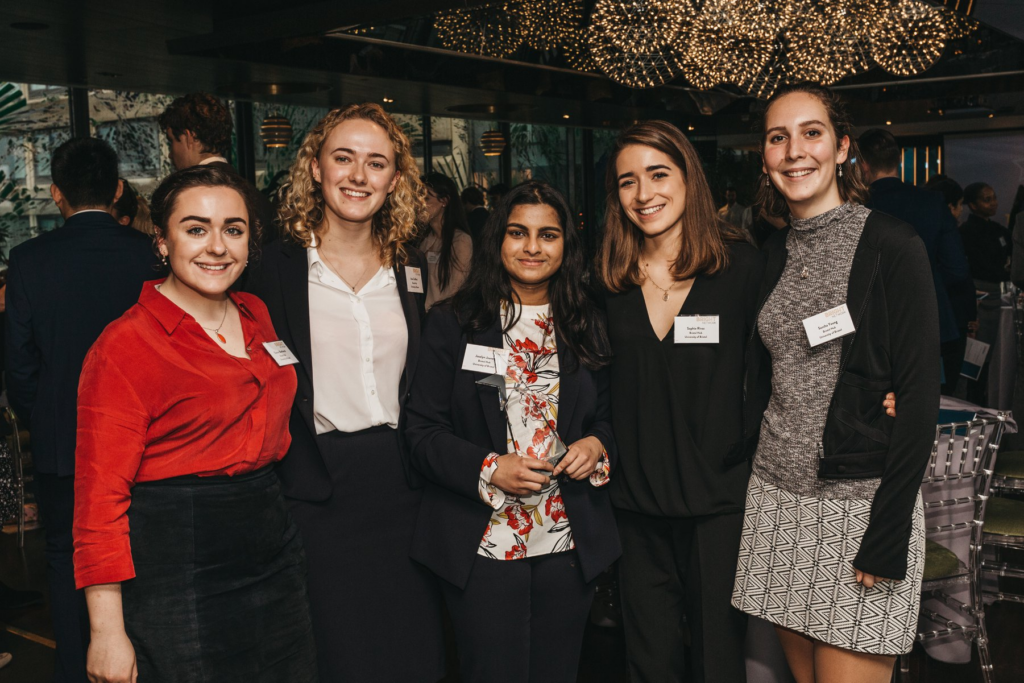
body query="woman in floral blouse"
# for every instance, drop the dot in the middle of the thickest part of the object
(508, 422)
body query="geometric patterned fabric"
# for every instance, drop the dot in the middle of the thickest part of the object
(795, 570)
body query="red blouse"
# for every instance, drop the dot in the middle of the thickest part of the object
(158, 399)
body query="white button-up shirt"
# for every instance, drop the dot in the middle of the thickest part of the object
(359, 343)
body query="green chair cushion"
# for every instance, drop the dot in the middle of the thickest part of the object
(939, 561)
(1010, 464)
(1004, 517)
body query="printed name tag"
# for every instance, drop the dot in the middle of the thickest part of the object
(433, 257)
(696, 329)
(481, 358)
(832, 324)
(280, 352)
(413, 279)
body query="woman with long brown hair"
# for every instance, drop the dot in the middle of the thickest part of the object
(833, 538)
(682, 297)
(346, 290)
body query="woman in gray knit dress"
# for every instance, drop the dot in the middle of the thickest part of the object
(832, 549)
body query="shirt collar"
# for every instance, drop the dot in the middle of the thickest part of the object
(212, 160)
(168, 313)
(314, 260)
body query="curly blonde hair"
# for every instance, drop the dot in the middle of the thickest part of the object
(301, 210)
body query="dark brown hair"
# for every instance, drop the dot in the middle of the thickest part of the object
(206, 116)
(166, 196)
(851, 183)
(703, 247)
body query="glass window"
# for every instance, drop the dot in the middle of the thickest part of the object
(128, 121)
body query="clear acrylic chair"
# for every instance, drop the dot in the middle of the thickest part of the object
(955, 491)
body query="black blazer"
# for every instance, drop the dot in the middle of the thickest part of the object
(454, 423)
(895, 348)
(281, 280)
(63, 288)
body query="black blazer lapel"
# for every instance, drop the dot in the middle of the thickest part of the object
(862, 279)
(568, 388)
(494, 416)
(295, 293)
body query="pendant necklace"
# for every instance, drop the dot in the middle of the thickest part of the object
(647, 272)
(216, 330)
(804, 274)
(337, 271)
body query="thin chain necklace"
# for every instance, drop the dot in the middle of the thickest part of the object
(664, 291)
(804, 274)
(216, 330)
(337, 270)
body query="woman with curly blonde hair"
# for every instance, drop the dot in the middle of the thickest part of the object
(345, 290)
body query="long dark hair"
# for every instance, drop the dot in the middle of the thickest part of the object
(454, 218)
(478, 302)
(851, 184)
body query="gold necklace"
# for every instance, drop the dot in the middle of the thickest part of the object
(647, 273)
(337, 271)
(216, 330)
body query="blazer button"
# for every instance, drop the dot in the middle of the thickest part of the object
(841, 469)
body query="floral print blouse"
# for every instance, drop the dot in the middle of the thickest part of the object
(529, 526)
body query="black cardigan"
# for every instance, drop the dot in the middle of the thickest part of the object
(454, 423)
(891, 297)
(281, 279)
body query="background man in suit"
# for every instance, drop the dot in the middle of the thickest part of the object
(63, 288)
(879, 161)
(198, 127)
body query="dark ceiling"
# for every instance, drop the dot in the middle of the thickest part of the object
(294, 52)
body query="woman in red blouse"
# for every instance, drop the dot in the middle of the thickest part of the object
(192, 568)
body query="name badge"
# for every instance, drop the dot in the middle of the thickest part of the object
(280, 352)
(696, 329)
(413, 279)
(433, 257)
(482, 359)
(832, 324)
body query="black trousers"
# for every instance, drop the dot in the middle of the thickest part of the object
(676, 571)
(953, 362)
(56, 498)
(521, 621)
(376, 613)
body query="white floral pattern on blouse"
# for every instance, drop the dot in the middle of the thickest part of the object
(529, 526)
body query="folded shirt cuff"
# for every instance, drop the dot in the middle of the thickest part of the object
(603, 472)
(490, 494)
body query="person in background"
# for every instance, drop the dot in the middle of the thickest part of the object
(950, 191)
(732, 212)
(445, 241)
(927, 211)
(988, 244)
(346, 292)
(760, 226)
(126, 207)
(517, 536)
(143, 220)
(192, 568)
(198, 128)
(496, 192)
(1017, 230)
(476, 212)
(833, 542)
(63, 288)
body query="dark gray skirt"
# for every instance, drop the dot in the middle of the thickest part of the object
(220, 588)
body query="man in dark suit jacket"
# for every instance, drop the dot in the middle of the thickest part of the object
(198, 128)
(927, 212)
(63, 288)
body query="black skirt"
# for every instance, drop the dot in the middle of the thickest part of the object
(220, 590)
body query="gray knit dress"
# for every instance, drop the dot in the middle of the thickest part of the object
(801, 533)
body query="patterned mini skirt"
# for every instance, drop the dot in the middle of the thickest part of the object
(795, 571)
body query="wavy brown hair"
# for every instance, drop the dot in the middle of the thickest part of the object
(851, 184)
(704, 238)
(301, 210)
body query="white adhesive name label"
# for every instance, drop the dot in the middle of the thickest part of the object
(414, 279)
(433, 257)
(280, 352)
(481, 358)
(832, 324)
(696, 329)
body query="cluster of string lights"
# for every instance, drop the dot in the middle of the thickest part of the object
(756, 45)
